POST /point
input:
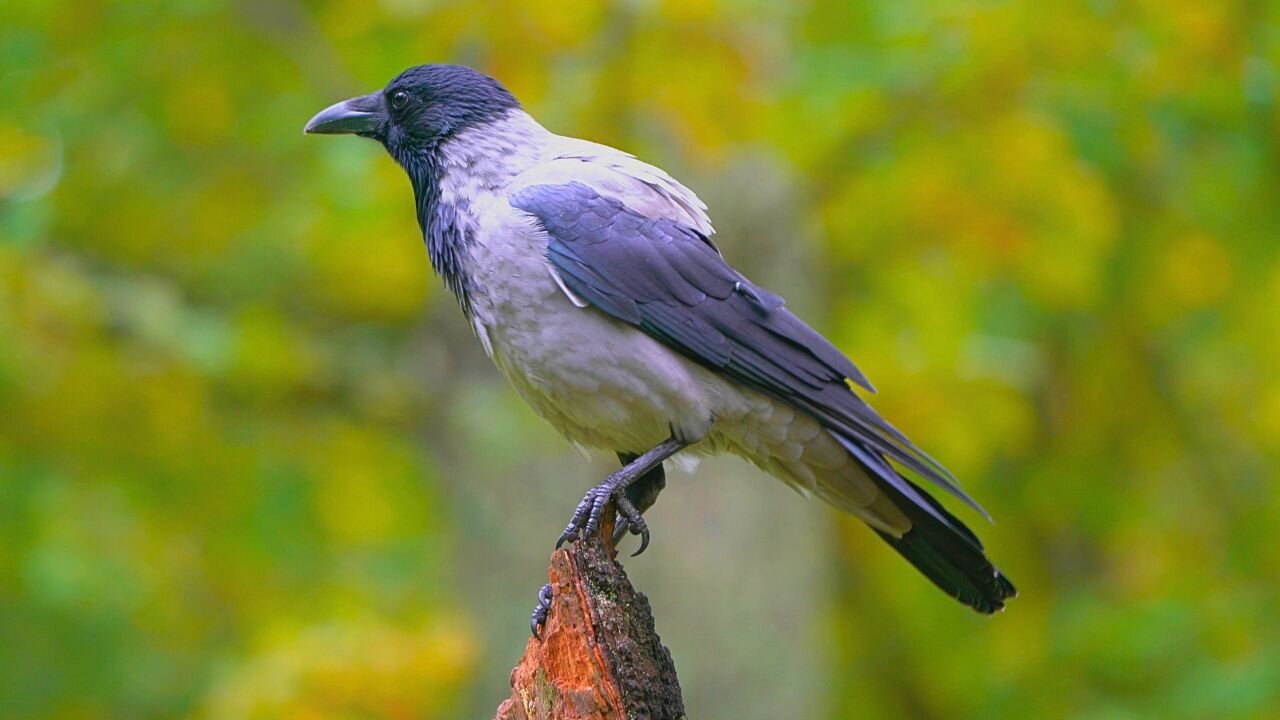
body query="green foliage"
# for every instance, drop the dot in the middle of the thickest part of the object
(234, 403)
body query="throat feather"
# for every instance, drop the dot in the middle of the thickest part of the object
(444, 230)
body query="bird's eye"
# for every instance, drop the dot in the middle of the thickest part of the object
(399, 99)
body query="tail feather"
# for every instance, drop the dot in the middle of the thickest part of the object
(941, 547)
(950, 555)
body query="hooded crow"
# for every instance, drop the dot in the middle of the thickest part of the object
(592, 281)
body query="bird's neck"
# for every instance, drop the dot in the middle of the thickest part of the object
(486, 157)
(450, 176)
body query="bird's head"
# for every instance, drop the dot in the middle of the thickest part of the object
(418, 110)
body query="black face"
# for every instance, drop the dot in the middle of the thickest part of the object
(417, 110)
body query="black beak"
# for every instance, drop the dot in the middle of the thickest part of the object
(362, 115)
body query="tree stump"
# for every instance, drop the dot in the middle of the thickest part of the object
(598, 657)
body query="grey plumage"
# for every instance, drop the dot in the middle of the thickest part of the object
(672, 283)
(592, 280)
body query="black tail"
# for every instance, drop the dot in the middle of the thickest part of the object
(948, 553)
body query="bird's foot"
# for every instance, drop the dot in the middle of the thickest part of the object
(637, 527)
(589, 513)
(538, 617)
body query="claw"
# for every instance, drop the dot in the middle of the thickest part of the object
(622, 527)
(575, 523)
(587, 515)
(634, 522)
(640, 528)
(540, 611)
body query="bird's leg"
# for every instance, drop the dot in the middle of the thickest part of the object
(630, 503)
(642, 493)
(587, 516)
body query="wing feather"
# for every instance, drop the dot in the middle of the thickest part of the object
(665, 277)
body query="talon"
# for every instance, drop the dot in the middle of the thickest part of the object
(645, 468)
(634, 521)
(575, 523)
(641, 528)
(540, 611)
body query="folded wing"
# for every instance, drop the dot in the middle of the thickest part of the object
(669, 280)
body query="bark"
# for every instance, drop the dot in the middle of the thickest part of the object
(599, 657)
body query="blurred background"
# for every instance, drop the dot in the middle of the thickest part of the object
(253, 465)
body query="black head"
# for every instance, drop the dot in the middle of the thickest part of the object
(412, 116)
(419, 109)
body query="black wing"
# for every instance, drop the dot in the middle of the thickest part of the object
(668, 280)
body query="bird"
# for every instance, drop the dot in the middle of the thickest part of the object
(593, 282)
